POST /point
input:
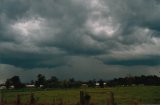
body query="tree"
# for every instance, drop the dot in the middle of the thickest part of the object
(101, 83)
(91, 83)
(53, 82)
(71, 80)
(8, 83)
(65, 84)
(41, 80)
(54, 79)
(16, 82)
(72, 83)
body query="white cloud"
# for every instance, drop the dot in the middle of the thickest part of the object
(26, 27)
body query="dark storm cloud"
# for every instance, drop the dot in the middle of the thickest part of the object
(14, 9)
(63, 27)
(31, 56)
(148, 61)
(27, 60)
(69, 17)
(38, 34)
(10, 11)
(60, 14)
(137, 13)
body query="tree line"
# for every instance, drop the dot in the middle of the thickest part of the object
(135, 80)
(42, 82)
(54, 82)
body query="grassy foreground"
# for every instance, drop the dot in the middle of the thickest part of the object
(123, 95)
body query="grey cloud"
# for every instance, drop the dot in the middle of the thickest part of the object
(69, 17)
(14, 9)
(27, 56)
(50, 34)
(136, 13)
(33, 60)
(146, 60)
(80, 67)
(66, 15)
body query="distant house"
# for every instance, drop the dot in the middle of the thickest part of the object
(98, 84)
(84, 86)
(11, 87)
(2, 87)
(30, 86)
(41, 86)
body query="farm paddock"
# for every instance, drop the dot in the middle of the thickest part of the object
(97, 96)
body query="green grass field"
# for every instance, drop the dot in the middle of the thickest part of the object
(123, 95)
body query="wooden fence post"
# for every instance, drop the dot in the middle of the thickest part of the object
(32, 98)
(54, 101)
(2, 97)
(18, 101)
(84, 98)
(81, 98)
(111, 100)
(61, 101)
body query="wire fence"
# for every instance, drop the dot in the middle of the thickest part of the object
(82, 98)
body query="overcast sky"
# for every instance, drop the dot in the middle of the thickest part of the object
(83, 39)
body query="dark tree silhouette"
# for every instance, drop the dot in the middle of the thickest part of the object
(101, 83)
(91, 83)
(53, 82)
(8, 83)
(40, 80)
(136, 80)
(54, 79)
(16, 82)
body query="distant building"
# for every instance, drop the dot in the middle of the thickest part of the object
(30, 86)
(11, 87)
(41, 86)
(98, 84)
(2, 87)
(84, 86)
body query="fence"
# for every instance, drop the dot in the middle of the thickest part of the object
(85, 98)
(18, 99)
